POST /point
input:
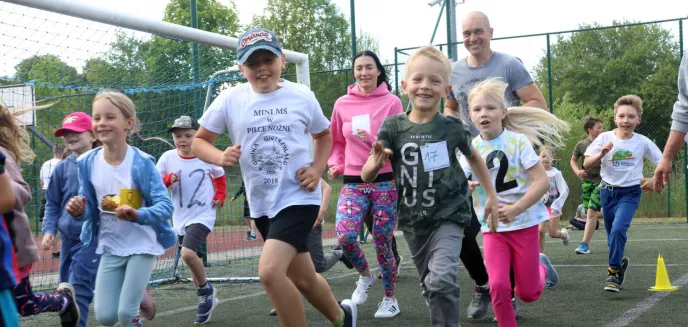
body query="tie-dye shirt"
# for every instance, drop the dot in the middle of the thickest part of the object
(508, 157)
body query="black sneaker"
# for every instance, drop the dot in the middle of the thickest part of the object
(273, 312)
(622, 273)
(346, 262)
(612, 283)
(71, 315)
(349, 313)
(56, 255)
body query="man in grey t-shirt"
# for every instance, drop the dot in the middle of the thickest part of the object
(483, 63)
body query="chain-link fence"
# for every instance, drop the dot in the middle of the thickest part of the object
(582, 72)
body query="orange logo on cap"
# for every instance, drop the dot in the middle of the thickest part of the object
(70, 119)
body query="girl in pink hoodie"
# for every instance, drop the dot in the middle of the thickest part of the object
(356, 119)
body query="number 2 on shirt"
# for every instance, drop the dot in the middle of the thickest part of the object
(500, 184)
(193, 200)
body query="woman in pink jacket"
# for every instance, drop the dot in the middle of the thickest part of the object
(356, 119)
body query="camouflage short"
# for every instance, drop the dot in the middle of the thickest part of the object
(591, 196)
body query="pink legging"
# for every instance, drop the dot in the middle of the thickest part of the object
(520, 250)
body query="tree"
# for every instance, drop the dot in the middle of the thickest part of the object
(47, 69)
(597, 67)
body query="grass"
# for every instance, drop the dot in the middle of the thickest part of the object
(579, 300)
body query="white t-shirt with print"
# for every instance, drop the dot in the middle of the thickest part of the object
(47, 171)
(508, 157)
(623, 165)
(192, 194)
(117, 236)
(273, 130)
(558, 191)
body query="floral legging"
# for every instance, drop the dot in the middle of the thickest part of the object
(354, 202)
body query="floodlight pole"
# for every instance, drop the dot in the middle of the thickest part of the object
(165, 29)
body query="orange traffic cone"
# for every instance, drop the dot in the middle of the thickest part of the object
(662, 282)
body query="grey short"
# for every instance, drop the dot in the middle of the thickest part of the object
(195, 235)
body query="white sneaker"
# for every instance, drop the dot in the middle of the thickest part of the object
(388, 308)
(363, 284)
(567, 239)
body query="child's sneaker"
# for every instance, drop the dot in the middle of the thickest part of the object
(363, 284)
(148, 307)
(566, 239)
(349, 309)
(480, 303)
(70, 315)
(250, 236)
(622, 273)
(207, 302)
(583, 248)
(552, 278)
(388, 308)
(612, 283)
(343, 258)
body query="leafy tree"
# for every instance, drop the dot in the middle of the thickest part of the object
(47, 69)
(597, 67)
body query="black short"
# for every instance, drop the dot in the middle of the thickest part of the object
(195, 235)
(291, 225)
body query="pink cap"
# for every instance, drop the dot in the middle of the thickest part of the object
(77, 122)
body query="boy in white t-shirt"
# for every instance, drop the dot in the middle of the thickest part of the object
(272, 126)
(622, 152)
(197, 191)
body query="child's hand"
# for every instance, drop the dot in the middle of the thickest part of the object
(230, 157)
(174, 178)
(647, 184)
(217, 204)
(48, 241)
(606, 148)
(333, 173)
(319, 220)
(233, 199)
(507, 213)
(76, 206)
(472, 185)
(582, 174)
(125, 212)
(309, 178)
(380, 154)
(491, 215)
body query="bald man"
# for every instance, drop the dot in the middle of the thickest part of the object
(481, 64)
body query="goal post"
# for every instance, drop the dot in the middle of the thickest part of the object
(152, 26)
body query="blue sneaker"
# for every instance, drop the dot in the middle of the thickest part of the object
(552, 278)
(583, 248)
(207, 302)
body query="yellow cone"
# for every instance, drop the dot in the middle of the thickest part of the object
(662, 282)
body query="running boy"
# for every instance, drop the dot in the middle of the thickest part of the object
(195, 201)
(271, 126)
(423, 146)
(591, 182)
(621, 152)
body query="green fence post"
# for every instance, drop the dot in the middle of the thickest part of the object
(685, 150)
(353, 29)
(549, 75)
(396, 71)
(196, 67)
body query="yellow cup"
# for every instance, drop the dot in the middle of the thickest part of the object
(131, 197)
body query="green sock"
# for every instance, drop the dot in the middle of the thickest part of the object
(340, 321)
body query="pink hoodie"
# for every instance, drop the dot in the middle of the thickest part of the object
(349, 153)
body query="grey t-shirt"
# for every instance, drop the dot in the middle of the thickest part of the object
(463, 77)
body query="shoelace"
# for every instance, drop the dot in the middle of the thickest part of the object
(385, 305)
(201, 299)
(476, 298)
(361, 287)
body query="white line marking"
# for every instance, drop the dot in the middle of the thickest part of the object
(642, 307)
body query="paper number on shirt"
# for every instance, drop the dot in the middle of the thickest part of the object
(193, 200)
(500, 184)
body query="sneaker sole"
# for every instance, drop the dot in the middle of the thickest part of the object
(582, 252)
(72, 294)
(611, 289)
(386, 316)
(216, 302)
(352, 307)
